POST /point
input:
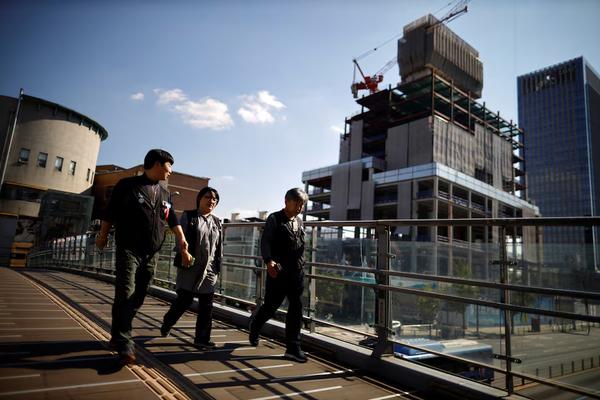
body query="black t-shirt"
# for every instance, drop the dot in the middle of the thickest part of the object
(281, 242)
(139, 209)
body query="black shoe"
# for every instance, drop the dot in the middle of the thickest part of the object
(206, 345)
(127, 357)
(164, 331)
(295, 355)
(113, 344)
(253, 338)
(252, 335)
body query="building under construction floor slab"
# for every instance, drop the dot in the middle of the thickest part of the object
(427, 148)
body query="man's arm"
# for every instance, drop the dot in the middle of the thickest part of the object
(110, 214)
(267, 238)
(178, 231)
(102, 237)
(265, 246)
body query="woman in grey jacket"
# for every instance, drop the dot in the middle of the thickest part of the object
(200, 265)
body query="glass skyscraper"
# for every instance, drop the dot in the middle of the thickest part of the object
(559, 110)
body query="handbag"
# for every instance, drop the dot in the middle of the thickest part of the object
(177, 261)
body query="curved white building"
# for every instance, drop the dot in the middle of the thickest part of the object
(49, 148)
(53, 148)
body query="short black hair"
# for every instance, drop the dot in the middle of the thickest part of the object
(205, 190)
(159, 155)
(296, 194)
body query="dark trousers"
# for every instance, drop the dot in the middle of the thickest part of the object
(203, 320)
(133, 276)
(288, 284)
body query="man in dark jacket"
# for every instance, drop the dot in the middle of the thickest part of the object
(138, 208)
(282, 249)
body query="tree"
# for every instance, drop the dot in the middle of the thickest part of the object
(461, 270)
(428, 307)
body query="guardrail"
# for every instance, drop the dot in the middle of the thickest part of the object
(491, 311)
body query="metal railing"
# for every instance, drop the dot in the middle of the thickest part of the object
(497, 307)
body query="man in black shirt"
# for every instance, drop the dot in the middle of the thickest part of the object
(282, 249)
(138, 208)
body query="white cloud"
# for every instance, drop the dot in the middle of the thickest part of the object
(170, 96)
(259, 108)
(137, 96)
(227, 178)
(206, 113)
(268, 99)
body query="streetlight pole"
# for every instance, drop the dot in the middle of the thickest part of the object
(9, 139)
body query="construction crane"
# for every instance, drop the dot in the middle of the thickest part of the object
(456, 11)
(371, 82)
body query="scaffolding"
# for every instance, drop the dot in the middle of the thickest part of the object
(434, 96)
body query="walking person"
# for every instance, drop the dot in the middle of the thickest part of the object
(200, 265)
(138, 208)
(282, 249)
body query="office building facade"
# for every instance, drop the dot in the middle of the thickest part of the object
(559, 108)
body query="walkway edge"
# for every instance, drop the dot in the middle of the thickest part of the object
(166, 384)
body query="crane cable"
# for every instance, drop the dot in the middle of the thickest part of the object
(458, 4)
(371, 51)
(374, 49)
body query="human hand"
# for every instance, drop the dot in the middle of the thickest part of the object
(273, 268)
(187, 259)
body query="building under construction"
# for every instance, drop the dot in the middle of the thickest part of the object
(426, 148)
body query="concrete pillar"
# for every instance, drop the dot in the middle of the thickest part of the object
(450, 230)
(434, 229)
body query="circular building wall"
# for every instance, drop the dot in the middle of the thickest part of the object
(53, 148)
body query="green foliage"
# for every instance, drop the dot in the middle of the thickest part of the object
(428, 306)
(461, 270)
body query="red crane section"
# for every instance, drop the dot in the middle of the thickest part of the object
(370, 83)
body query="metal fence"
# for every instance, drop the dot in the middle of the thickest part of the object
(486, 305)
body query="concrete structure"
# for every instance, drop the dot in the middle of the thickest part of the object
(426, 149)
(44, 147)
(184, 187)
(428, 45)
(53, 147)
(559, 106)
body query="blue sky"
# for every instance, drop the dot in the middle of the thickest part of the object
(252, 93)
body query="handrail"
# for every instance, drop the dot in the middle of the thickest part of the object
(537, 221)
(74, 254)
(462, 299)
(494, 285)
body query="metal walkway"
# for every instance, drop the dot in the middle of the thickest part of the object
(54, 328)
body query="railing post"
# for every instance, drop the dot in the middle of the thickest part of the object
(505, 299)
(113, 255)
(383, 320)
(312, 284)
(222, 276)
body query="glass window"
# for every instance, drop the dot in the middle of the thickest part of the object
(58, 163)
(42, 158)
(72, 167)
(24, 155)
